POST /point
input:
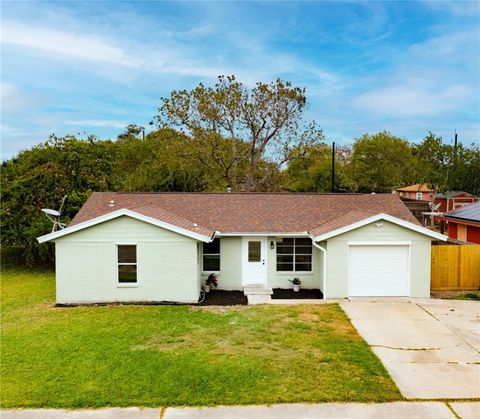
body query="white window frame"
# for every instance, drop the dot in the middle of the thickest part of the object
(293, 254)
(126, 284)
(213, 254)
(419, 196)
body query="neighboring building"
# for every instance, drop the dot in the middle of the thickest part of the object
(464, 223)
(452, 200)
(420, 192)
(124, 247)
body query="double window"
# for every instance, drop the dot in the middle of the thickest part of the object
(211, 256)
(294, 255)
(127, 263)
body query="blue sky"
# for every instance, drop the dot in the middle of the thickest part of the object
(94, 67)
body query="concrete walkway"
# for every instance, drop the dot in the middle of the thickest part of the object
(431, 348)
(400, 410)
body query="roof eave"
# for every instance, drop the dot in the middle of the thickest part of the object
(118, 213)
(377, 217)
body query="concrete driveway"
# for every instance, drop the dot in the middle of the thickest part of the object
(431, 348)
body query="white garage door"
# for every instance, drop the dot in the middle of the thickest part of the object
(378, 271)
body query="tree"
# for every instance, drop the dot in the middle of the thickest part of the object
(39, 178)
(236, 127)
(311, 171)
(447, 167)
(131, 131)
(381, 163)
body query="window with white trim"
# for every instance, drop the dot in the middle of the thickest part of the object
(294, 255)
(127, 263)
(211, 256)
(419, 196)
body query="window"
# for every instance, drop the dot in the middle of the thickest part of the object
(254, 251)
(127, 263)
(419, 196)
(294, 255)
(211, 256)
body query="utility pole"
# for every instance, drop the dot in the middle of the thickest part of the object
(333, 167)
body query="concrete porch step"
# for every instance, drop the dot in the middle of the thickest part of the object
(259, 299)
(257, 290)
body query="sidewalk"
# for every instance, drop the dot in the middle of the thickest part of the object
(400, 410)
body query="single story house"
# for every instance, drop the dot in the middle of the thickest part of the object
(464, 223)
(452, 200)
(124, 247)
(419, 191)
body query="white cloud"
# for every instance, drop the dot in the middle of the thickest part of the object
(413, 98)
(463, 8)
(77, 45)
(96, 123)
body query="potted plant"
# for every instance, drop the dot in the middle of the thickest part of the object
(296, 284)
(211, 281)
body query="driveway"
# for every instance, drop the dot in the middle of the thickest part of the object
(431, 348)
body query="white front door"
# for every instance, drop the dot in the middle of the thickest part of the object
(254, 260)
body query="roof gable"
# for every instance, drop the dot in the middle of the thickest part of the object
(378, 217)
(136, 215)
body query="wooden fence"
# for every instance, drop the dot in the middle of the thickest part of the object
(455, 267)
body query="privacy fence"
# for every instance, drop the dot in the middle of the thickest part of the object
(455, 267)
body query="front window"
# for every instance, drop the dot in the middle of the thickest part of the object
(294, 255)
(211, 256)
(127, 263)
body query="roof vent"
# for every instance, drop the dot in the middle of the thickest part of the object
(229, 190)
(195, 225)
(112, 203)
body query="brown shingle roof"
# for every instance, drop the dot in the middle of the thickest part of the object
(249, 212)
(419, 187)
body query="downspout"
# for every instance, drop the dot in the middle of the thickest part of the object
(324, 264)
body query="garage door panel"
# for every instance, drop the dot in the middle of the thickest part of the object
(378, 271)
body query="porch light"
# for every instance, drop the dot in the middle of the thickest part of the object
(272, 245)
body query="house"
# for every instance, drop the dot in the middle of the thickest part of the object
(452, 200)
(464, 223)
(420, 192)
(124, 247)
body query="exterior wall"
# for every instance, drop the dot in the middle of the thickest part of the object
(310, 280)
(452, 230)
(86, 264)
(426, 196)
(337, 257)
(449, 204)
(230, 275)
(473, 234)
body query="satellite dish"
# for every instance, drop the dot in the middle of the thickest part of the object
(434, 207)
(54, 215)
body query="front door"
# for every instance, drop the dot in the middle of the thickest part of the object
(254, 257)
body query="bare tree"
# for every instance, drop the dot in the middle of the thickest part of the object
(262, 123)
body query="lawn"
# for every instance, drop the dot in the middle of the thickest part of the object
(177, 355)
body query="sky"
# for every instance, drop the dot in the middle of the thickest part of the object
(86, 68)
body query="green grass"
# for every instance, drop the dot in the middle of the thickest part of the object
(475, 296)
(177, 355)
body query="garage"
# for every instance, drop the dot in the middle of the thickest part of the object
(378, 270)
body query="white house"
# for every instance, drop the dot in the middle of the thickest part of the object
(159, 247)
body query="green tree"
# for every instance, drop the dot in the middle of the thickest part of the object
(381, 163)
(311, 170)
(238, 128)
(39, 178)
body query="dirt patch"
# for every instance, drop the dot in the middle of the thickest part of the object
(289, 294)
